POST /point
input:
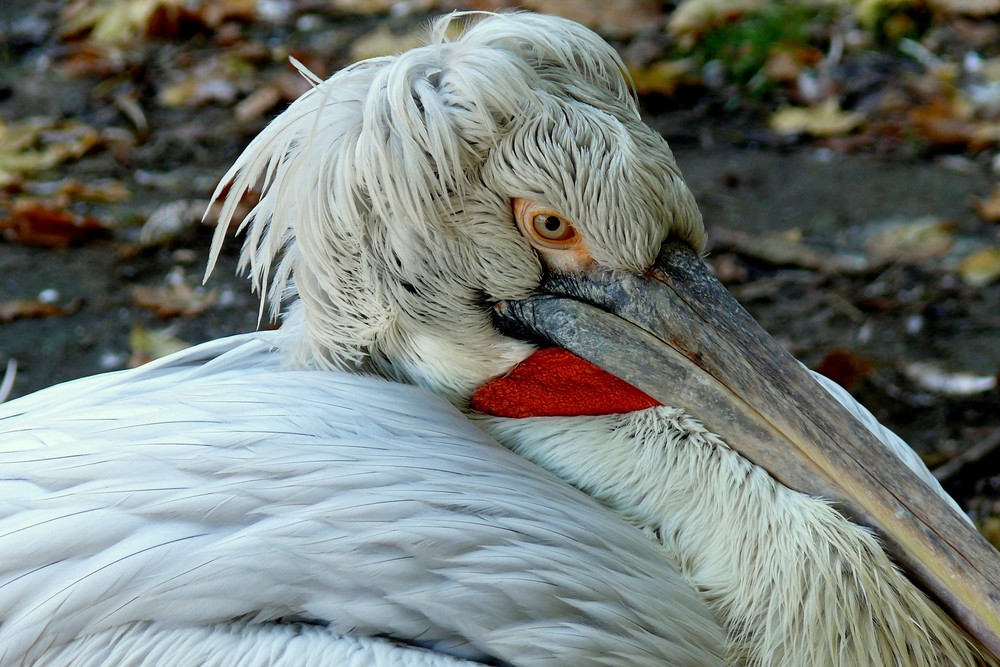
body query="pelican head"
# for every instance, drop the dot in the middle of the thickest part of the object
(430, 216)
(388, 189)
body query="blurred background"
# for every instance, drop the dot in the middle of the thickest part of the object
(845, 154)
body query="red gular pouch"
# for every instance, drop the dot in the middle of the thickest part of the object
(553, 382)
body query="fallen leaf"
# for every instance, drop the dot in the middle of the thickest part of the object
(981, 267)
(105, 191)
(286, 87)
(729, 268)
(845, 368)
(118, 22)
(37, 144)
(787, 249)
(36, 223)
(106, 22)
(663, 77)
(20, 309)
(976, 35)
(947, 124)
(86, 59)
(787, 63)
(211, 81)
(912, 240)
(967, 7)
(173, 300)
(932, 378)
(825, 119)
(372, 7)
(869, 12)
(172, 219)
(619, 19)
(693, 17)
(172, 19)
(259, 102)
(383, 42)
(149, 345)
(989, 208)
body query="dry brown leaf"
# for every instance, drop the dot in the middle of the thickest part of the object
(786, 63)
(212, 80)
(693, 17)
(383, 42)
(195, 91)
(86, 59)
(663, 77)
(362, 7)
(912, 241)
(611, 18)
(989, 208)
(149, 345)
(981, 267)
(729, 268)
(286, 87)
(942, 131)
(106, 191)
(106, 22)
(259, 102)
(949, 123)
(870, 12)
(36, 144)
(173, 300)
(845, 368)
(18, 309)
(175, 18)
(825, 119)
(117, 22)
(372, 7)
(967, 7)
(37, 223)
(171, 219)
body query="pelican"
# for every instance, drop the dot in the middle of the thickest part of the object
(508, 418)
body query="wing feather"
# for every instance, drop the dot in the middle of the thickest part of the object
(213, 486)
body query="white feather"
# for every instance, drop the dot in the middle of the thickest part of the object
(212, 486)
(239, 645)
(793, 581)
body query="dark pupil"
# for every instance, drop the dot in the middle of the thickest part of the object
(552, 223)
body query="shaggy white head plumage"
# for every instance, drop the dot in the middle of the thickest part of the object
(387, 190)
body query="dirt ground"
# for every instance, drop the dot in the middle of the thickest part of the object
(797, 228)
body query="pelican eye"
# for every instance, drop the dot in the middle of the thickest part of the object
(551, 227)
(543, 227)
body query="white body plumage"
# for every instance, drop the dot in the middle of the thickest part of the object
(173, 513)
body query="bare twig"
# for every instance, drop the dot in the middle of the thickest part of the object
(779, 251)
(967, 457)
